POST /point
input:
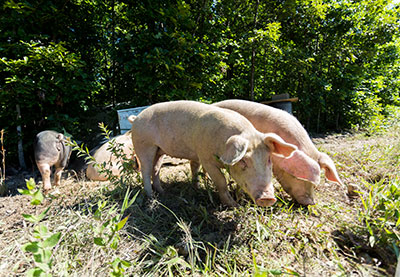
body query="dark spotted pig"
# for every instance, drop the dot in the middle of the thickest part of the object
(51, 149)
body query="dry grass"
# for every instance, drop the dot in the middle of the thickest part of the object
(188, 231)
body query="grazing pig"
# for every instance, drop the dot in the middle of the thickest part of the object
(213, 137)
(301, 172)
(51, 149)
(112, 162)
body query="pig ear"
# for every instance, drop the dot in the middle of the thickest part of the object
(131, 118)
(299, 165)
(235, 149)
(330, 170)
(278, 146)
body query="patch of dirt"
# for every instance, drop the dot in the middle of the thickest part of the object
(358, 249)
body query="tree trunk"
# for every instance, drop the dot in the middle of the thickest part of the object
(3, 186)
(253, 56)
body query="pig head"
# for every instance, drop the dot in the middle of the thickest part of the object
(212, 137)
(51, 149)
(111, 162)
(299, 173)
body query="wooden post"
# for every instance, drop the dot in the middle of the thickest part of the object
(253, 56)
(3, 186)
(20, 147)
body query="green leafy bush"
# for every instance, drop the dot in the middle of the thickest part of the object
(381, 213)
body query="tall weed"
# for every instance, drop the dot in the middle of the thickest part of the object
(42, 241)
(381, 213)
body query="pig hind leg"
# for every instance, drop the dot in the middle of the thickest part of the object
(45, 171)
(158, 161)
(146, 155)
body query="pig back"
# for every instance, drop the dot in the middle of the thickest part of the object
(186, 129)
(267, 119)
(50, 147)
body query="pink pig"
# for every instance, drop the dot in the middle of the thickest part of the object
(213, 137)
(301, 172)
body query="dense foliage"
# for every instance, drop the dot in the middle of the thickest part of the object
(68, 64)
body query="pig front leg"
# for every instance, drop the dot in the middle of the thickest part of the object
(194, 168)
(220, 181)
(45, 171)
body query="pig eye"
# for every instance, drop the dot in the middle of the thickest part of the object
(269, 161)
(242, 164)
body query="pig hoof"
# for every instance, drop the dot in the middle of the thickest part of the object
(47, 188)
(265, 202)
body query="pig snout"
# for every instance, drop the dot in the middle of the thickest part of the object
(265, 199)
(306, 201)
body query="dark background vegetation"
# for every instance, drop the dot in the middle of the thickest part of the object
(70, 64)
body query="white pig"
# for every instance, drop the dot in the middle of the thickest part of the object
(112, 162)
(213, 137)
(301, 172)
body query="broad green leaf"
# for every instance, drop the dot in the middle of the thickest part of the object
(31, 247)
(99, 241)
(122, 223)
(275, 271)
(38, 257)
(31, 218)
(30, 184)
(51, 241)
(35, 272)
(114, 243)
(24, 191)
(37, 198)
(126, 263)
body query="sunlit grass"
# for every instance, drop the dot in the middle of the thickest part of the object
(188, 232)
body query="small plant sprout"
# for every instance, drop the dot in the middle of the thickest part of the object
(43, 240)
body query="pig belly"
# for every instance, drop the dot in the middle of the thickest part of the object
(178, 152)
